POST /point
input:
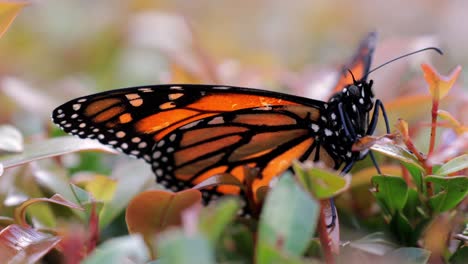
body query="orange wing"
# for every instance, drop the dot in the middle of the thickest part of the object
(268, 138)
(191, 132)
(359, 65)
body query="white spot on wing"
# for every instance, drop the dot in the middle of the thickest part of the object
(156, 154)
(161, 143)
(217, 120)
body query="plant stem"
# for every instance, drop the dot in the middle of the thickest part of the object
(323, 235)
(435, 109)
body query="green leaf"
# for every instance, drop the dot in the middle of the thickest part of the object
(175, 247)
(402, 229)
(80, 194)
(417, 173)
(391, 192)
(213, 220)
(456, 164)
(412, 203)
(120, 250)
(453, 190)
(288, 219)
(460, 256)
(408, 255)
(320, 182)
(269, 254)
(375, 243)
(236, 244)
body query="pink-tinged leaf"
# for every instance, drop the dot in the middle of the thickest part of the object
(397, 152)
(153, 211)
(453, 123)
(73, 244)
(11, 139)
(367, 142)
(457, 147)
(8, 11)
(20, 212)
(52, 147)
(439, 85)
(24, 245)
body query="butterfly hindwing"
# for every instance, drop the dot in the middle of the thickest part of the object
(268, 138)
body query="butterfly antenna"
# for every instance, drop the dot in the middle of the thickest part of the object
(352, 75)
(403, 56)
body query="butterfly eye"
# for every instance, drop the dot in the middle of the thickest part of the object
(353, 90)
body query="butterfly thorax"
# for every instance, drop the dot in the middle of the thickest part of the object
(346, 119)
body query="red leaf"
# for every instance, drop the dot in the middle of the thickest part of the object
(24, 244)
(153, 211)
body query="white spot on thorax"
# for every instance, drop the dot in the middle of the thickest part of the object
(315, 127)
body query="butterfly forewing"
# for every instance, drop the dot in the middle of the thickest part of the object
(133, 119)
(359, 65)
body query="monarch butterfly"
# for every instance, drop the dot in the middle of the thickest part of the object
(189, 133)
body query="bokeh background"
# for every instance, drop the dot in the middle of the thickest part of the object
(57, 50)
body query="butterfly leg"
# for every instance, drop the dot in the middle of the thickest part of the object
(374, 161)
(373, 124)
(347, 126)
(375, 118)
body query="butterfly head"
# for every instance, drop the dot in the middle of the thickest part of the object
(359, 94)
